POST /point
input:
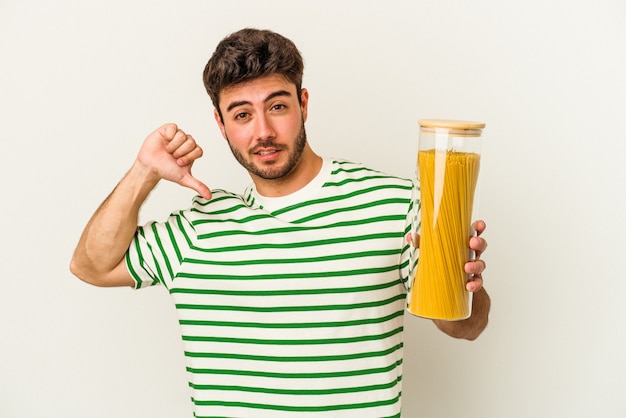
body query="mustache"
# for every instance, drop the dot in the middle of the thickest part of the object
(267, 144)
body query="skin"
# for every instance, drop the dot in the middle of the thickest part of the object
(263, 122)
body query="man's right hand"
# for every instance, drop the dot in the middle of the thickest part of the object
(169, 153)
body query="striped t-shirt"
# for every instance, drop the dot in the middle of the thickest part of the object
(290, 306)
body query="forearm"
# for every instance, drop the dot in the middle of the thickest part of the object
(473, 326)
(110, 230)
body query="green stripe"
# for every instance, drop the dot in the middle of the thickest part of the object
(170, 233)
(158, 273)
(234, 208)
(355, 168)
(141, 259)
(282, 276)
(314, 375)
(286, 292)
(298, 408)
(298, 308)
(366, 178)
(350, 209)
(273, 261)
(276, 391)
(132, 270)
(228, 196)
(163, 253)
(322, 341)
(247, 219)
(341, 197)
(288, 325)
(352, 222)
(283, 359)
(304, 244)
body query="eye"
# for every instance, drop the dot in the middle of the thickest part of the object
(241, 116)
(279, 106)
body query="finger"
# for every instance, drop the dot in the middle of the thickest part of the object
(478, 244)
(168, 130)
(185, 147)
(174, 142)
(479, 227)
(413, 239)
(189, 157)
(476, 267)
(475, 270)
(195, 184)
(475, 284)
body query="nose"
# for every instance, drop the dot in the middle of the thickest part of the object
(264, 129)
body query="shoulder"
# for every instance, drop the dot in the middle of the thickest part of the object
(220, 200)
(344, 171)
(222, 204)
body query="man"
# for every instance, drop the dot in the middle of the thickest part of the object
(290, 296)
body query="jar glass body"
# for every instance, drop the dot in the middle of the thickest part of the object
(448, 163)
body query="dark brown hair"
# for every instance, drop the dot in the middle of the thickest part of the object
(249, 54)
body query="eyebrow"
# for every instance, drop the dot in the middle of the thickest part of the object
(277, 93)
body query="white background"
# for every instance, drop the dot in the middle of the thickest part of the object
(83, 82)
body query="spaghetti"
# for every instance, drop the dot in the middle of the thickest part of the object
(448, 181)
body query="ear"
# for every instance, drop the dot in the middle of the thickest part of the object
(220, 124)
(304, 103)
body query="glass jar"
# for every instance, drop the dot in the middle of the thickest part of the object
(448, 163)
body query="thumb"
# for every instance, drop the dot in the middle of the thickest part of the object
(413, 239)
(193, 183)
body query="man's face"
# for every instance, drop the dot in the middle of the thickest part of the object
(263, 122)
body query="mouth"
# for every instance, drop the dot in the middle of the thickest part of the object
(267, 154)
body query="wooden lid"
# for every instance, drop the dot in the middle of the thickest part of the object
(457, 125)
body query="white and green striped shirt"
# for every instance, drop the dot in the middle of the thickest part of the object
(290, 306)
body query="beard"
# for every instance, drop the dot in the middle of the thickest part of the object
(272, 171)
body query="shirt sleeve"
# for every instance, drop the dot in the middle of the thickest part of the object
(156, 252)
(410, 253)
